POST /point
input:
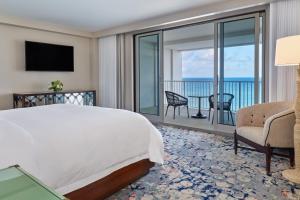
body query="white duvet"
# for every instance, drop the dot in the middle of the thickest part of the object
(69, 146)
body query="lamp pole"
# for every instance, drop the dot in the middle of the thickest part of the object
(294, 174)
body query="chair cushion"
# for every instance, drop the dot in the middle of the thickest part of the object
(252, 133)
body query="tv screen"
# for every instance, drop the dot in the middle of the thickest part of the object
(48, 57)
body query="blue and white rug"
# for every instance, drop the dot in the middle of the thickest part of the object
(203, 166)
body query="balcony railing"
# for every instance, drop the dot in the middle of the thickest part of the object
(243, 91)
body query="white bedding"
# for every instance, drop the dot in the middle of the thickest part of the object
(69, 146)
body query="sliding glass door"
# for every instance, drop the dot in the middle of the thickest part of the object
(189, 72)
(239, 70)
(147, 74)
(217, 67)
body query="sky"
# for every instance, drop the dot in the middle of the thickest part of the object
(239, 62)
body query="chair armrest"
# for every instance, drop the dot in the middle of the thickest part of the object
(184, 97)
(180, 97)
(279, 129)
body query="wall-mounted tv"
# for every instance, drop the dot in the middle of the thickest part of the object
(48, 57)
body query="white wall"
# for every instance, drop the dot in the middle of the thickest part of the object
(14, 78)
(172, 64)
(177, 65)
(167, 64)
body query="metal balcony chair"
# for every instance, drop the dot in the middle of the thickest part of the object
(176, 100)
(227, 101)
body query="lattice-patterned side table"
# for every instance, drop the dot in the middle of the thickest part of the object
(80, 97)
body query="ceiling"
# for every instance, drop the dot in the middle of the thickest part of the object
(194, 31)
(236, 33)
(190, 37)
(96, 15)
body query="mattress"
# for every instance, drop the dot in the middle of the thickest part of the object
(68, 146)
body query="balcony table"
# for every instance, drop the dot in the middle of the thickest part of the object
(199, 115)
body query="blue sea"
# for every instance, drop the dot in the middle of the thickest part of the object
(242, 88)
(226, 79)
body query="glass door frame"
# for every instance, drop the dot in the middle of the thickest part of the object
(160, 76)
(218, 58)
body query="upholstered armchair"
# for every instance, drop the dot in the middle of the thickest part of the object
(266, 127)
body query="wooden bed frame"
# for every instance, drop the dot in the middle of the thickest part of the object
(112, 183)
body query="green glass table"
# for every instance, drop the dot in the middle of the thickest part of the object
(17, 184)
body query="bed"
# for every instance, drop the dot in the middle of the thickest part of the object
(83, 152)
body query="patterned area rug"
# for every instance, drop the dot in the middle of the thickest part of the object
(203, 166)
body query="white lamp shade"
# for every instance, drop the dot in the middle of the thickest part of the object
(288, 51)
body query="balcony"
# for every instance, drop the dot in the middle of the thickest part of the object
(242, 90)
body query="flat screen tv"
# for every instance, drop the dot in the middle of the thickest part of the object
(48, 57)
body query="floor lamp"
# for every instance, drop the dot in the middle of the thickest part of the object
(288, 54)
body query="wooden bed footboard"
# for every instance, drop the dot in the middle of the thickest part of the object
(112, 183)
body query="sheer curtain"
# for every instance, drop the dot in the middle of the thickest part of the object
(120, 71)
(116, 71)
(284, 21)
(108, 71)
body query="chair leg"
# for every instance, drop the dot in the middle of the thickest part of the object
(231, 117)
(174, 112)
(187, 110)
(235, 143)
(268, 159)
(179, 110)
(292, 157)
(167, 110)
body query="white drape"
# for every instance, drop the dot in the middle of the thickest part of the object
(116, 71)
(125, 71)
(121, 71)
(108, 71)
(284, 21)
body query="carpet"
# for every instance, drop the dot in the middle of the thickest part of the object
(203, 166)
